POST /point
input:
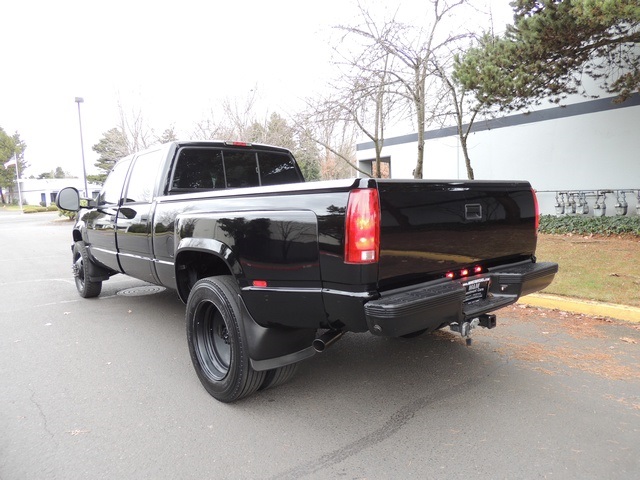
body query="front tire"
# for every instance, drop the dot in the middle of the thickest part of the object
(87, 288)
(217, 343)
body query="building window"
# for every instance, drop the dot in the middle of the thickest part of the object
(369, 166)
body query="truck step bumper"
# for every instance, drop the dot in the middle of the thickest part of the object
(430, 306)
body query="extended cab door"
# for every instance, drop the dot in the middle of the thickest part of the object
(133, 228)
(101, 221)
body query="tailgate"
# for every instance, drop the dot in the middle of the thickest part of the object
(431, 227)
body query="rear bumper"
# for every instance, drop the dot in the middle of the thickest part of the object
(432, 305)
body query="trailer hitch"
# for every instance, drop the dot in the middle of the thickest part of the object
(466, 328)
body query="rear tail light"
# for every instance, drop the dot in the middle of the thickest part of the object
(362, 232)
(536, 209)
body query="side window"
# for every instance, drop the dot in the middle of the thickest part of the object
(198, 169)
(241, 168)
(143, 176)
(112, 188)
(277, 169)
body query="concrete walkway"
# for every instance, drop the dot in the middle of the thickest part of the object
(586, 307)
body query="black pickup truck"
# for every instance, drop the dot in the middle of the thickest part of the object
(273, 270)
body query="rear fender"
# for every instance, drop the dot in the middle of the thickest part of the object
(198, 258)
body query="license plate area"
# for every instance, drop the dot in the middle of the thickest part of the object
(476, 289)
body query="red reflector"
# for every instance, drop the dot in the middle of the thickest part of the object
(464, 272)
(362, 232)
(260, 283)
(477, 269)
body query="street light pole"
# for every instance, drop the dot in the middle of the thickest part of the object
(80, 100)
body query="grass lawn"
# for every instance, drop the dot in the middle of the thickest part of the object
(605, 269)
(10, 208)
(28, 208)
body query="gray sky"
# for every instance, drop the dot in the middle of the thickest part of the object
(175, 61)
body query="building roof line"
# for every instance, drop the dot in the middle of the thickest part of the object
(563, 111)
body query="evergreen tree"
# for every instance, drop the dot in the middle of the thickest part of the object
(111, 147)
(169, 135)
(10, 147)
(550, 45)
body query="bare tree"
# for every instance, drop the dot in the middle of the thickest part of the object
(465, 107)
(325, 125)
(412, 48)
(211, 129)
(338, 152)
(366, 92)
(135, 130)
(132, 134)
(366, 98)
(240, 116)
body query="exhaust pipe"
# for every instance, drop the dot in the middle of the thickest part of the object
(327, 339)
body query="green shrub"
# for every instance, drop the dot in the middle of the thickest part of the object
(33, 209)
(580, 225)
(50, 208)
(66, 213)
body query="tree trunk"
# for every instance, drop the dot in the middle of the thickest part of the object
(417, 173)
(419, 102)
(467, 160)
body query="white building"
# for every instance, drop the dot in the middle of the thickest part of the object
(588, 147)
(45, 191)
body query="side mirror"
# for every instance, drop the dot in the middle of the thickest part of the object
(68, 199)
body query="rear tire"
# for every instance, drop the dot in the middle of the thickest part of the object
(278, 376)
(217, 343)
(81, 271)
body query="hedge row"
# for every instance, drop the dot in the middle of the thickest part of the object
(38, 209)
(590, 225)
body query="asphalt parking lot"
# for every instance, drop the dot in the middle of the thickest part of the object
(104, 388)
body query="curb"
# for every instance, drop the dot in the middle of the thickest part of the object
(587, 307)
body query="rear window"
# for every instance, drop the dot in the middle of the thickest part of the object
(241, 168)
(276, 168)
(198, 169)
(203, 168)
